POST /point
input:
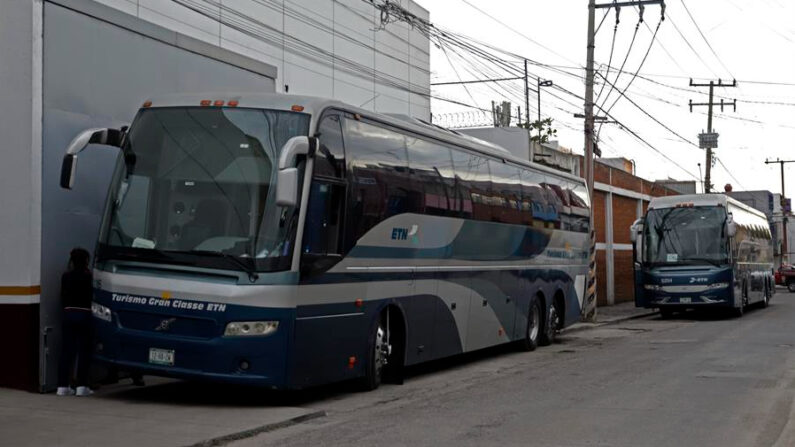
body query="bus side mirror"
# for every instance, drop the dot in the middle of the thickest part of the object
(109, 137)
(287, 179)
(731, 226)
(731, 229)
(635, 229)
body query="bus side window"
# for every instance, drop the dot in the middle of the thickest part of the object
(322, 235)
(474, 185)
(330, 157)
(322, 231)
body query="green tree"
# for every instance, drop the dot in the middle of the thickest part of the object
(541, 130)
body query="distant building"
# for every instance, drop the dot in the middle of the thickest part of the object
(517, 141)
(622, 163)
(680, 186)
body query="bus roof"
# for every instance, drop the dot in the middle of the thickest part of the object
(702, 200)
(315, 106)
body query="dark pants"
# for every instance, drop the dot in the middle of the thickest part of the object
(76, 347)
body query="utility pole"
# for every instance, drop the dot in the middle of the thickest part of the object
(709, 140)
(526, 97)
(784, 249)
(589, 310)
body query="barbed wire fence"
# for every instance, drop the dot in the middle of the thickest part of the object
(465, 119)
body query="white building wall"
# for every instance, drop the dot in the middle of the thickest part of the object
(347, 29)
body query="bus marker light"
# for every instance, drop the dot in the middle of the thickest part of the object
(232, 103)
(147, 104)
(218, 102)
(359, 302)
(205, 102)
(244, 365)
(351, 362)
(297, 108)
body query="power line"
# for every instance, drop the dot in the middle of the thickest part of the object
(705, 39)
(634, 75)
(529, 39)
(730, 173)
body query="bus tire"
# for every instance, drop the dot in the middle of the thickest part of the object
(532, 331)
(666, 313)
(791, 285)
(765, 297)
(377, 356)
(551, 324)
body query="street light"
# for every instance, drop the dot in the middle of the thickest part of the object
(539, 84)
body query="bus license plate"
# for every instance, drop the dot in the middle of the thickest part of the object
(684, 300)
(161, 356)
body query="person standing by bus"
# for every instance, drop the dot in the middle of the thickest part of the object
(76, 292)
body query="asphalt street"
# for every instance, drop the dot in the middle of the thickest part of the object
(695, 380)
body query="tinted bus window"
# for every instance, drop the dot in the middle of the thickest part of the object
(330, 158)
(507, 192)
(379, 183)
(474, 184)
(534, 201)
(432, 172)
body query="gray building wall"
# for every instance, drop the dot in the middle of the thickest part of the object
(682, 187)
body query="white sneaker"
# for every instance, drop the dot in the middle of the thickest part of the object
(83, 391)
(65, 391)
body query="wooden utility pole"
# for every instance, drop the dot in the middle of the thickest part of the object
(709, 140)
(784, 249)
(589, 304)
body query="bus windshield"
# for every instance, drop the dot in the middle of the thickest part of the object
(686, 236)
(197, 185)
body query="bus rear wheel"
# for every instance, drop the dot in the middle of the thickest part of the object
(551, 325)
(533, 330)
(765, 297)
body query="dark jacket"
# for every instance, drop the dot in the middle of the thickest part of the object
(76, 289)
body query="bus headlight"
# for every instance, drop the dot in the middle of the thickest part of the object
(718, 285)
(101, 312)
(655, 287)
(245, 328)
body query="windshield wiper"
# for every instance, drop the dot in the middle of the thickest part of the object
(248, 267)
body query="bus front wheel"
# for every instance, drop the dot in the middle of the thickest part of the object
(379, 353)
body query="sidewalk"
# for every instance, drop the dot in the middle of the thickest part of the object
(613, 314)
(165, 412)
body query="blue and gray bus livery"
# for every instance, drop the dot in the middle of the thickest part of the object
(237, 248)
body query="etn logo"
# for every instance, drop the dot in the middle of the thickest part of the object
(400, 234)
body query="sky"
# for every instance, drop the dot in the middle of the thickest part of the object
(752, 41)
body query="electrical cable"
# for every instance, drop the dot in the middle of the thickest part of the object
(705, 39)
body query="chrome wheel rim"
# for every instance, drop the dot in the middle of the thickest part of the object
(534, 320)
(381, 350)
(553, 321)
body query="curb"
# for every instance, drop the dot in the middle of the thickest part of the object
(225, 439)
(589, 326)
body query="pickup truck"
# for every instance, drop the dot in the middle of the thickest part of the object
(785, 275)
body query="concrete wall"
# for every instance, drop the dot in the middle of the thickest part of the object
(280, 32)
